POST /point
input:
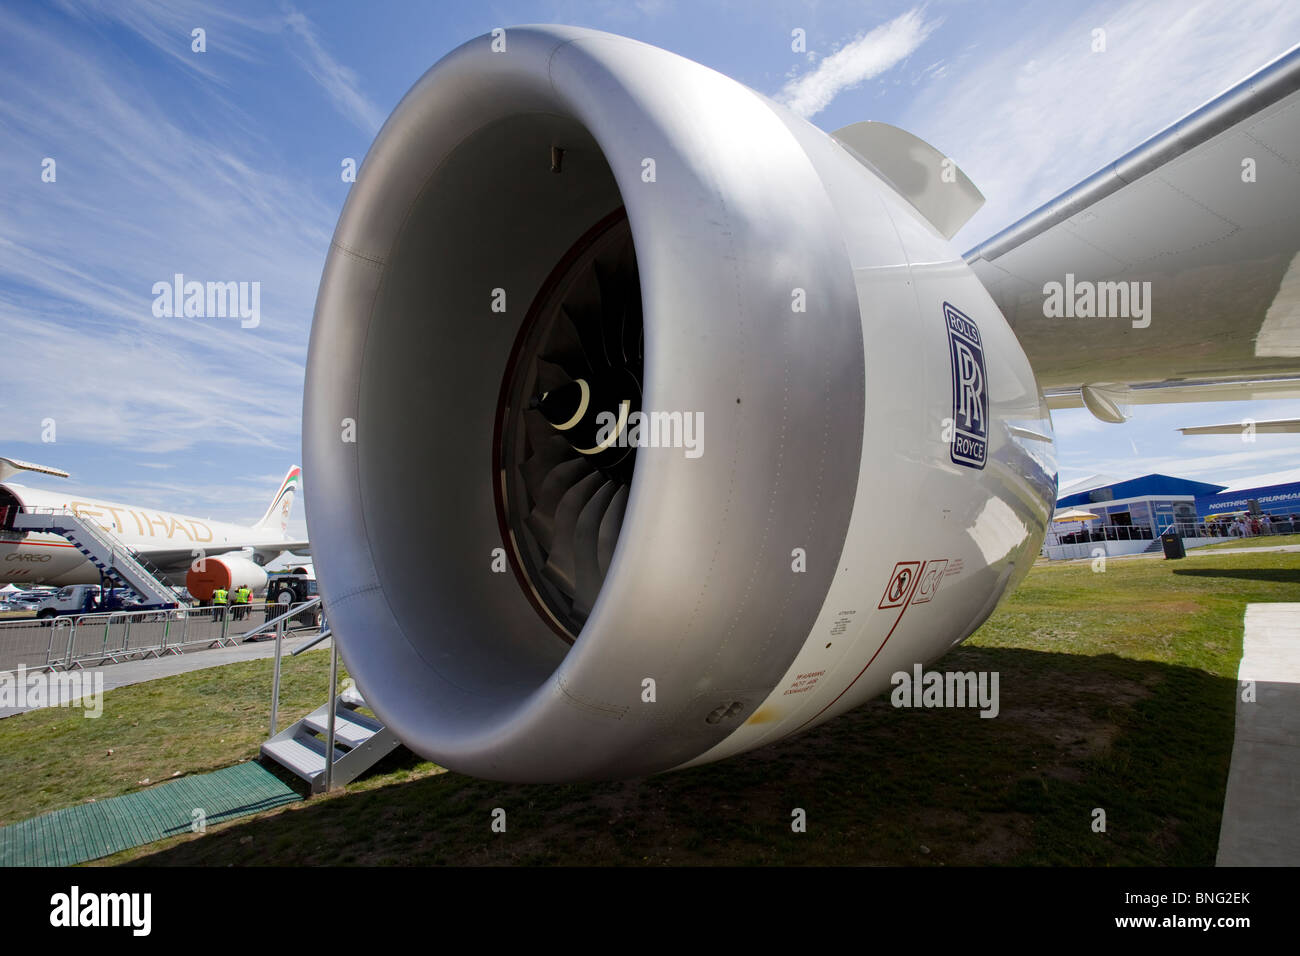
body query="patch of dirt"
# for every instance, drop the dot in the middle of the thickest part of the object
(989, 839)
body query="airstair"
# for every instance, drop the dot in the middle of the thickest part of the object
(355, 741)
(102, 548)
(359, 743)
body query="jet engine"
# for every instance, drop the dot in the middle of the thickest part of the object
(229, 571)
(648, 423)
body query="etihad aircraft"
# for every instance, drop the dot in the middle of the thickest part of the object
(522, 601)
(173, 543)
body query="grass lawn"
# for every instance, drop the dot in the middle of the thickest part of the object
(190, 723)
(1117, 693)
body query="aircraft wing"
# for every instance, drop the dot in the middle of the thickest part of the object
(1201, 226)
(1277, 426)
(12, 466)
(175, 561)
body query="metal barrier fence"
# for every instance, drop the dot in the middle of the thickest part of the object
(29, 643)
(75, 641)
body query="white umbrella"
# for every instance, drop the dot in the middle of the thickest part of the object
(1074, 515)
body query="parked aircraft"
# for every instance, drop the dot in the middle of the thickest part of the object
(171, 542)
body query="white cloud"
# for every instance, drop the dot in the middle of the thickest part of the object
(144, 192)
(1105, 448)
(168, 25)
(1031, 110)
(865, 57)
(337, 80)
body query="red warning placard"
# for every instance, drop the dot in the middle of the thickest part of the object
(900, 584)
(931, 578)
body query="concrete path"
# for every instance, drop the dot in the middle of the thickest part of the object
(1288, 548)
(137, 672)
(1261, 809)
(1191, 552)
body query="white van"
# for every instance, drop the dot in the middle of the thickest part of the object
(70, 600)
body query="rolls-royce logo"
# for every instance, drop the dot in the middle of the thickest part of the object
(970, 398)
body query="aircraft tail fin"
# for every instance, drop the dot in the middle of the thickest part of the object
(11, 466)
(282, 504)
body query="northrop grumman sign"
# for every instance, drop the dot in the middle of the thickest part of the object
(970, 398)
(1273, 499)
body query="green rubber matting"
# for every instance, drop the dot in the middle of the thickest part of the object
(89, 831)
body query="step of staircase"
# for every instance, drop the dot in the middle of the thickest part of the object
(350, 728)
(305, 756)
(359, 743)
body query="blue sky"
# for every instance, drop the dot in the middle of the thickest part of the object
(225, 165)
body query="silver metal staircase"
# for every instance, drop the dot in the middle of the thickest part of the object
(105, 551)
(359, 743)
(356, 741)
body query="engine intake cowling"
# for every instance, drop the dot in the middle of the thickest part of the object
(770, 330)
(229, 571)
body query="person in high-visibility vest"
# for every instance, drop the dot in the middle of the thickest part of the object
(219, 598)
(242, 597)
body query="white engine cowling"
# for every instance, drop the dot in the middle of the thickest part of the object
(859, 462)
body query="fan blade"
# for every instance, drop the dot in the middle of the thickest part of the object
(560, 562)
(610, 524)
(541, 520)
(586, 327)
(588, 576)
(543, 461)
(613, 304)
(557, 483)
(564, 347)
(550, 375)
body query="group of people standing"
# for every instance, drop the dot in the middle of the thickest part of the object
(1249, 525)
(238, 600)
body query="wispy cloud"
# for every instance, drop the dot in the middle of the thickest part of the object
(168, 26)
(1033, 108)
(337, 80)
(143, 191)
(1090, 447)
(865, 57)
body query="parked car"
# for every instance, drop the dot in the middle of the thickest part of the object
(284, 590)
(29, 600)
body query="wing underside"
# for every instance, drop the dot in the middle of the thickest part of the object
(1173, 274)
(175, 561)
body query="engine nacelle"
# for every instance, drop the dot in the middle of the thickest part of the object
(229, 571)
(823, 459)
